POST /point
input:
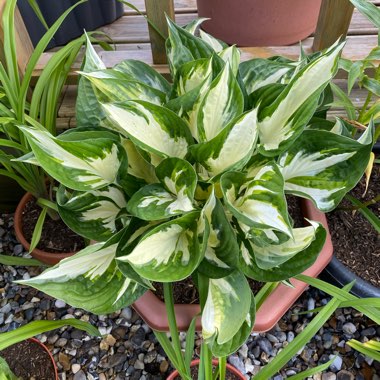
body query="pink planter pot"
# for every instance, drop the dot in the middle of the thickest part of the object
(153, 311)
(194, 363)
(260, 22)
(43, 256)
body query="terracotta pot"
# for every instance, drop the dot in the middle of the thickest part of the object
(50, 356)
(153, 311)
(260, 22)
(194, 363)
(45, 257)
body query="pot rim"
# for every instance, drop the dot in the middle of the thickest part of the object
(43, 256)
(266, 317)
(195, 362)
(49, 353)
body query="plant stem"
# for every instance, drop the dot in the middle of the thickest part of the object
(169, 304)
(222, 368)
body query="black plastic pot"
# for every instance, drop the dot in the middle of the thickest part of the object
(338, 274)
(87, 16)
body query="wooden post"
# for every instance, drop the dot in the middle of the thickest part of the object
(333, 22)
(24, 45)
(156, 10)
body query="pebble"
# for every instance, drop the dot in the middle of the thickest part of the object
(345, 375)
(328, 376)
(349, 328)
(126, 313)
(336, 365)
(235, 361)
(75, 368)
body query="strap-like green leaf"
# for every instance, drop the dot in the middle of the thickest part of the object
(38, 327)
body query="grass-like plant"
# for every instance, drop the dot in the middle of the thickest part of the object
(35, 328)
(189, 177)
(38, 108)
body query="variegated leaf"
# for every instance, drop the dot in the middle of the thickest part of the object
(231, 148)
(182, 47)
(222, 252)
(152, 128)
(220, 105)
(154, 202)
(295, 265)
(82, 165)
(89, 280)
(245, 330)
(116, 87)
(138, 166)
(87, 109)
(259, 202)
(259, 72)
(227, 307)
(193, 25)
(192, 75)
(282, 122)
(214, 43)
(142, 72)
(168, 252)
(270, 256)
(231, 55)
(93, 214)
(178, 177)
(324, 166)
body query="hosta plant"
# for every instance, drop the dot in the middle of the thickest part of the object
(189, 177)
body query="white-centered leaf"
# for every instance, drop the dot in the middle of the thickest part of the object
(324, 166)
(214, 43)
(220, 104)
(270, 256)
(285, 119)
(222, 250)
(80, 165)
(93, 214)
(231, 55)
(89, 280)
(116, 87)
(231, 148)
(227, 307)
(259, 72)
(153, 128)
(259, 202)
(169, 252)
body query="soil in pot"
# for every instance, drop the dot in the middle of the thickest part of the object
(28, 360)
(56, 237)
(356, 243)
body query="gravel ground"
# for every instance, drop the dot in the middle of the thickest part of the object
(129, 349)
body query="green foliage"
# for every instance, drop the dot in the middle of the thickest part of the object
(202, 166)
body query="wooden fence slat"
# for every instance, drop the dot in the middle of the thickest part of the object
(333, 22)
(156, 10)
